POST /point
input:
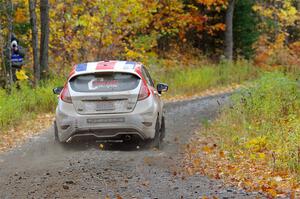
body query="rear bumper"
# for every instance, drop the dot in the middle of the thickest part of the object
(140, 122)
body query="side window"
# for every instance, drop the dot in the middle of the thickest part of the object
(146, 74)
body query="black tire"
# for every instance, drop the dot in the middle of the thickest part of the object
(162, 129)
(56, 138)
(156, 142)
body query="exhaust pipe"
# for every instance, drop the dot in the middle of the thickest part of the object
(69, 140)
(127, 137)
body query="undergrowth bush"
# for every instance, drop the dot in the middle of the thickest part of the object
(25, 102)
(189, 79)
(264, 122)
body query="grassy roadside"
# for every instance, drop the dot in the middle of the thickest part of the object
(188, 80)
(27, 102)
(255, 143)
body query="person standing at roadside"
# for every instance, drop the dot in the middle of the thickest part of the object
(17, 57)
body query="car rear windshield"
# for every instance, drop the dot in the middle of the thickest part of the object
(104, 82)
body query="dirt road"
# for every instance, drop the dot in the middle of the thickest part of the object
(42, 168)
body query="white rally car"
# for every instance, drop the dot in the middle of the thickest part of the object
(108, 100)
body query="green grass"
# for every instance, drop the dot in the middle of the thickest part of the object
(188, 80)
(26, 103)
(264, 122)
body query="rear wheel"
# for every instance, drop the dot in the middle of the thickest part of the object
(56, 138)
(156, 142)
(162, 129)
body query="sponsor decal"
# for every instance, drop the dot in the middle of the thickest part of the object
(106, 120)
(99, 83)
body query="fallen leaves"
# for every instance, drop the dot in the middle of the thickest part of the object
(207, 149)
(119, 197)
(27, 128)
(101, 146)
(239, 169)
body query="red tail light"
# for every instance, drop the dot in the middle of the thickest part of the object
(144, 91)
(65, 95)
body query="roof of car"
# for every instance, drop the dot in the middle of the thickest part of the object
(100, 66)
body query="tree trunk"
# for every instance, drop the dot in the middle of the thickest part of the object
(298, 5)
(44, 45)
(229, 31)
(2, 57)
(9, 13)
(34, 41)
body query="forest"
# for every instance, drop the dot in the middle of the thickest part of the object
(264, 32)
(194, 46)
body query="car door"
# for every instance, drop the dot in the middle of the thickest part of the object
(151, 85)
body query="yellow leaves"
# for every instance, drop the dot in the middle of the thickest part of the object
(276, 53)
(93, 26)
(257, 144)
(282, 15)
(216, 28)
(222, 154)
(82, 22)
(207, 149)
(257, 156)
(119, 197)
(21, 15)
(101, 146)
(210, 3)
(271, 192)
(250, 174)
(28, 128)
(60, 6)
(77, 9)
(286, 14)
(261, 155)
(257, 8)
(21, 75)
(107, 40)
(196, 162)
(133, 55)
(295, 47)
(51, 2)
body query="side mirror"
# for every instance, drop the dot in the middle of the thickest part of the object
(57, 90)
(162, 88)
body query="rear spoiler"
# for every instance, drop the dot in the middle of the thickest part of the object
(103, 71)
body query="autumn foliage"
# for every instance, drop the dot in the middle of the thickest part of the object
(91, 30)
(134, 29)
(183, 42)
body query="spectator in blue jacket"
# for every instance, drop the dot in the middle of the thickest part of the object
(17, 57)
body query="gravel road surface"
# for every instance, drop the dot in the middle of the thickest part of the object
(42, 168)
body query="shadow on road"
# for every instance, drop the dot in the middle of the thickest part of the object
(82, 145)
